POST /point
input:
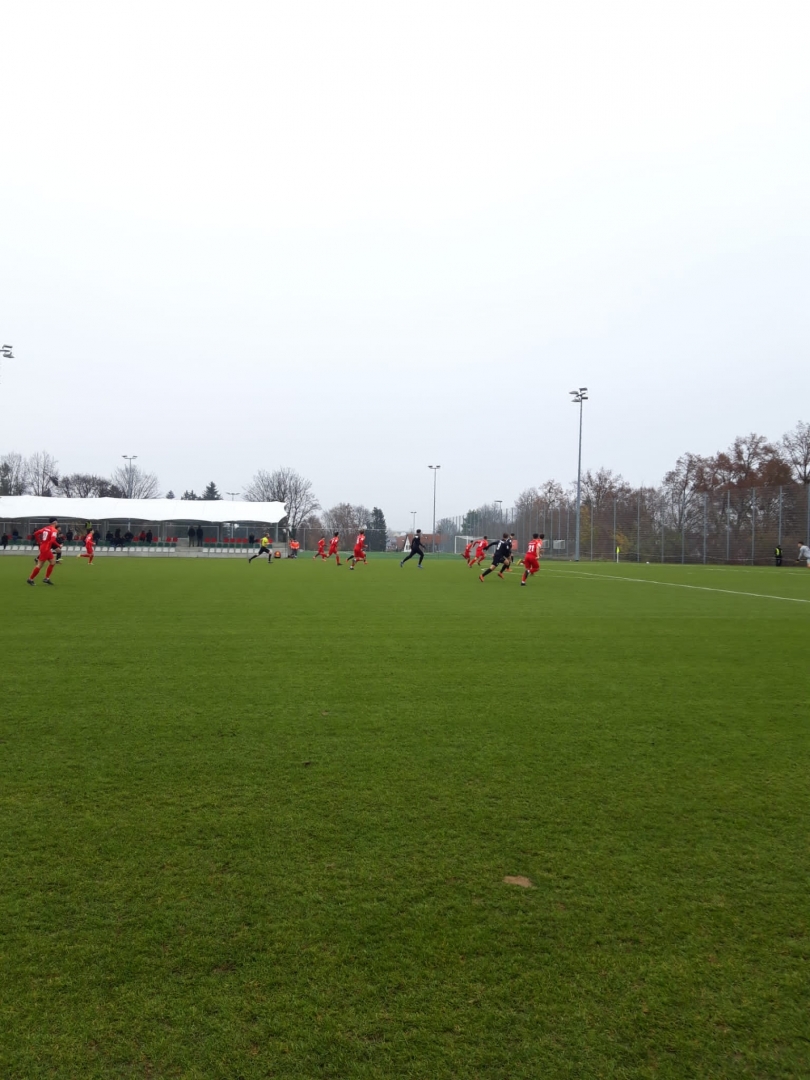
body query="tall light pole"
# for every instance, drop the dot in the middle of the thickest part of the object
(435, 469)
(413, 523)
(232, 494)
(578, 396)
(499, 504)
(130, 477)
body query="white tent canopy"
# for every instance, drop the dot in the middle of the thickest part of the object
(176, 511)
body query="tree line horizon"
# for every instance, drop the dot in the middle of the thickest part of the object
(752, 461)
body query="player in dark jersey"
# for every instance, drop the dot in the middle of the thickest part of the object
(416, 549)
(499, 557)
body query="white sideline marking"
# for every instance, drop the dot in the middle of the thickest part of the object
(679, 585)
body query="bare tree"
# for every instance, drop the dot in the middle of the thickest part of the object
(286, 486)
(12, 474)
(87, 486)
(796, 448)
(41, 474)
(346, 519)
(135, 483)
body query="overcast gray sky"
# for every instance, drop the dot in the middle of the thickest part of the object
(361, 238)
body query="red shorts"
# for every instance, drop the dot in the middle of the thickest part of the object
(359, 553)
(89, 548)
(46, 553)
(531, 563)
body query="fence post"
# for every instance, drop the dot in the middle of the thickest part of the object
(614, 527)
(753, 523)
(779, 540)
(683, 531)
(728, 526)
(705, 525)
(662, 528)
(638, 529)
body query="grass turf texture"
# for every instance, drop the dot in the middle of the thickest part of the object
(256, 820)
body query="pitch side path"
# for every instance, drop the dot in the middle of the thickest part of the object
(255, 821)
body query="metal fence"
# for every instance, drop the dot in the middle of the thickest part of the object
(737, 526)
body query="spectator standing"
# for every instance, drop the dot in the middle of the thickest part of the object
(199, 536)
(192, 535)
(149, 536)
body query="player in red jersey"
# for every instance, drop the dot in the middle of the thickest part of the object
(89, 552)
(531, 560)
(480, 552)
(333, 548)
(359, 553)
(47, 538)
(467, 550)
(320, 553)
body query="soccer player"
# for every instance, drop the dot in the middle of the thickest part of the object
(499, 557)
(531, 560)
(416, 549)
(467, 550)
(804, 553)
(265, 548)
(359, 553)
(480, 552)
(89, 548)
(46, 537)
(333, 547)
(321, 553)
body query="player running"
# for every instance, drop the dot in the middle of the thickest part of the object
(89, 552)
(265, 548)
(47, 538)
(333, 548)
(359, 553)
(531, 560)
(416, 549)
(480, 552)
(320, 553)
(804, 553)
(498, 558)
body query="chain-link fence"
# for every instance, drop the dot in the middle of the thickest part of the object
(739, 525)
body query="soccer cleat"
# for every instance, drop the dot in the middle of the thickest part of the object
(523, 583)
(30, 581)
(481, 578)
(401, 565)
(47, 581)
(419, 567)
(500, 575)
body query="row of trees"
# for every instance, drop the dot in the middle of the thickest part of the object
(39, 475)
(730, 505)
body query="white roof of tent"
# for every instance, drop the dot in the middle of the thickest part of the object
(39, 508)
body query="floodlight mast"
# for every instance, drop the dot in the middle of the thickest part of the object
(130, 474)
(577, 397)
(435, 469)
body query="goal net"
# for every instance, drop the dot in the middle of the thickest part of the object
(461, 542)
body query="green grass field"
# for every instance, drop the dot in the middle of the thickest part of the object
(256, 822)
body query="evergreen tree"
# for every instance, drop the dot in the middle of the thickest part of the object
(377, 530)
(169, 494)
(211, 494)
(190, 496)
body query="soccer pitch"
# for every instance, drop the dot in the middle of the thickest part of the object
(256, 821)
